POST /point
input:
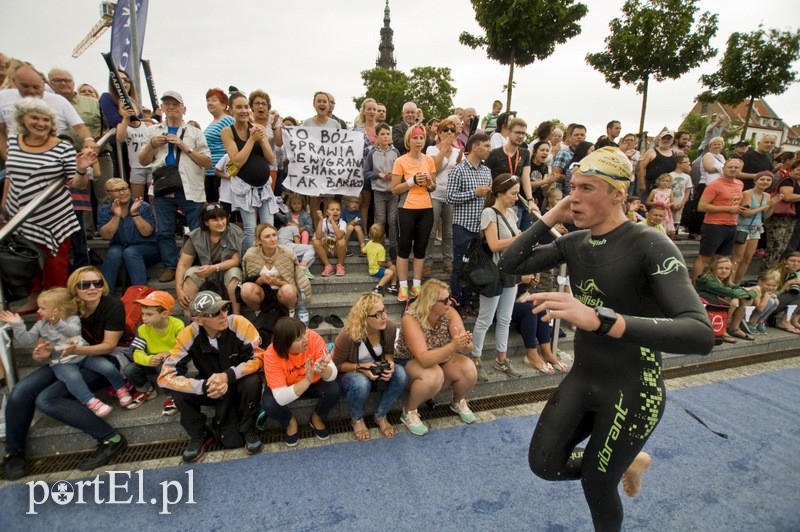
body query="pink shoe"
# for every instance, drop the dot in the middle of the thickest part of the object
(339, 270)
(99, 408)
(327, 271)
(124, 397)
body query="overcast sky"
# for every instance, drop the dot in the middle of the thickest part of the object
(291, 49)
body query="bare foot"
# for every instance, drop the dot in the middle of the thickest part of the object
(632, 478)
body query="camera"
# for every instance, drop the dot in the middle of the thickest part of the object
(794, 289)
(379, 368)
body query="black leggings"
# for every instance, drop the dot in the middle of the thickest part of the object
(415, 227)
(617, 418)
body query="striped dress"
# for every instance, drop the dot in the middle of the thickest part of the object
(214, 141)
(28, 175)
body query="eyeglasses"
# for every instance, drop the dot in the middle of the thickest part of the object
(118, 190)
(446, 301)
(448, 130)
(60, 80)
(513, 179)
(170, 105)
(379, 314)
(225, 310)
(85, 285)
(588, 169)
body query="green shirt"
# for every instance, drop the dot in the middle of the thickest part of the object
(89, 111)
(149, 341)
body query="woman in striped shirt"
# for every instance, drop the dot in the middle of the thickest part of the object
(36, 157)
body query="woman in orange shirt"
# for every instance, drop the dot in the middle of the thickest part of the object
(412, 180)
(297, 364)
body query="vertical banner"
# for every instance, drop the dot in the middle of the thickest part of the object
(113, 75)
(121, 40)
(323, 161)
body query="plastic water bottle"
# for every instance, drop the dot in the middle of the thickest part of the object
(302, 308)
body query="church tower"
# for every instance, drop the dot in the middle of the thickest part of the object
(386, 48)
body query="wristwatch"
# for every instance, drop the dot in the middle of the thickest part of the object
(607, 319)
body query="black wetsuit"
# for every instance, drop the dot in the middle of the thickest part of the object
(614, 392)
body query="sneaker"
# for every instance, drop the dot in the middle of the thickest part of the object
(505, 367)
(328, 270)
(744, 326)
(462, 409)
(137, 400)
(340, 270)
(167, 276)
(402, 295)
(197, 446)
(151, 391)
(392, 289)
(104, 453)
(308, 273)
(761, 328)
(482, 377)
(124, 397)
(378, 290)
(415, 291)
(252, 443)
(414, 423)
(14, 466)
(349, 253)
(99, 408)
(169, 408)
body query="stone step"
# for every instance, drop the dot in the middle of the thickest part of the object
(146, 424)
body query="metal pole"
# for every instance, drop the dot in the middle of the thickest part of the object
(135, 52)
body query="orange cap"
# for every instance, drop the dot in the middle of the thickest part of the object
(157, 298)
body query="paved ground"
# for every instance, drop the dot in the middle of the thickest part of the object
(522, 410)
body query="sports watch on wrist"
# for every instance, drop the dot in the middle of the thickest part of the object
(607, 319)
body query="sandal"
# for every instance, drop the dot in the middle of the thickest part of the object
(741, 335)
(728, 339)
(360, 430)
(560, 366)
(385, 427)
(547, 368)
(789, 329)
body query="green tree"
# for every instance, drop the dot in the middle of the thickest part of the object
(654, 39)
(695, 124)
(520, 31)
(755, 65)
(431, 88)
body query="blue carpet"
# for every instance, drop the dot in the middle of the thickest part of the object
(477, 478)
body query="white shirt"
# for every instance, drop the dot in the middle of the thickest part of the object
(66, 115)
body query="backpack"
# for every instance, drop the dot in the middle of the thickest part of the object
(133, 311)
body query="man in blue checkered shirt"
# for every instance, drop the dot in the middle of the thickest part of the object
(576, 134)
(467, 186)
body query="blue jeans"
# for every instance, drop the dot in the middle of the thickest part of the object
(327, 392)
(534, 331)
(501, 306)
(524, 218)
(249, 222)
(165, 212)
(70, 375)
(461, 241)
(356, 387)
(136, 259)
(43, 390)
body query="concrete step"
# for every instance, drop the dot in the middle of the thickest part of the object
(146, 424)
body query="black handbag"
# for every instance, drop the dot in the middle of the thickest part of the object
(20, 261)
(167, 179)
(480, 274)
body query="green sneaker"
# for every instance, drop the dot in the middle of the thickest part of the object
(462, 409)
(414, 423)
(308, 273)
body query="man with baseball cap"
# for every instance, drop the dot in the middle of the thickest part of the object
(173, 143)
(225, 350)
(614, 394)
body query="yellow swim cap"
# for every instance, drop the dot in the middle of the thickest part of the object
(609, 164)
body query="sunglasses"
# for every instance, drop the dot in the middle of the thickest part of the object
(588, 169)
(85, 285)
(379, 314)
(448, 130)
(214, 207)
(513, 179)
(225, 310)
(446, 301)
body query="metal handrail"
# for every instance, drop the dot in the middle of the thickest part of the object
(6, 354)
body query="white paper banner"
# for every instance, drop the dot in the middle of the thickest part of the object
(323, 161)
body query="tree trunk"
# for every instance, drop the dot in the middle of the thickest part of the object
(510, 84)
(747, 118)
(644, 111)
